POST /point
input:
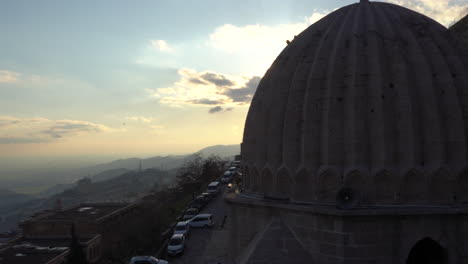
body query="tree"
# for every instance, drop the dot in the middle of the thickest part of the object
(76, 255)
(199, 171)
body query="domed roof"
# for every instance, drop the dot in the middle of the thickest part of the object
(372, 100)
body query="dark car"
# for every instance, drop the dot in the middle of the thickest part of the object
(190, 213)
(199, 202)
(207, 196)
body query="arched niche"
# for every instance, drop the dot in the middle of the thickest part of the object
(462, 187)
(246, 178)
(441, 187)
(386, 187)
(413, 188)
(283, 184)
(267, 186)
(355, 180)
(427, 251)
(328, 184)
(255, 180)
(303, 188)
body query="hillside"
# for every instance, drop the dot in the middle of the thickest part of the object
(223, 151)
(10, 198)
(125, 187)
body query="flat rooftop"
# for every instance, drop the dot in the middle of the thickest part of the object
(84, 212)
(36, 250)
(23, 254)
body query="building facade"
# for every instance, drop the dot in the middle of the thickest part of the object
(46, 236)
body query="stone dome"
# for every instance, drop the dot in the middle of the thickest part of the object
(371, 100)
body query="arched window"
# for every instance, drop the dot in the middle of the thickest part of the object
(427, 251)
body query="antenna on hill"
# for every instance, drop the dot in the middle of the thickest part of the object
(139, 167)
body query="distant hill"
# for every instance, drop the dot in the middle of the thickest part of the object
(105, 175)
(9, 198)
(108, 174)
(56, 181)
(115, 181)
(125, 187)
(224, 151)
(159, 162)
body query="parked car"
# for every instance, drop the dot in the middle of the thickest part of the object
(207, 196)
(232, 169)
(182, 228)
(147, 260)
(213, 188)
(190, 213)
(199, 202)
(202, 220)
(176, 245)
(227, 177)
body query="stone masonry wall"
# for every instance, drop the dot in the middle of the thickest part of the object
(333, 239)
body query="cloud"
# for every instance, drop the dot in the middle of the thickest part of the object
(218, 109)
(259, 39)
(208, 89)
(217, 79)
(162, 46)
(21, 140)
(244, 94)
(142, 119)
(8, 76)
(206, 101)
(445, 12)
(215, 109)
(34, 130)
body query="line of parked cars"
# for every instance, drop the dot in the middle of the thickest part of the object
(231, 172)
(193, 219)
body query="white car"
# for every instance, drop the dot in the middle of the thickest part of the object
(202, 220)
(213, 188)
(176, 245)
(182, 228)
(147, 260)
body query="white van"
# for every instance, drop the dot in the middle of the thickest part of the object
(213, 188)
(202, 220)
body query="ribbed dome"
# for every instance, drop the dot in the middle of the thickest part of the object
(372, 98)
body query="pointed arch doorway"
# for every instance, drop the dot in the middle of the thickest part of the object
(427, 251)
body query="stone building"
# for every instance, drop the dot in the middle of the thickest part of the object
(46, 236)
(47, 250)
(355, 147)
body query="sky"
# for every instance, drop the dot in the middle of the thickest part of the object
(115, 78)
